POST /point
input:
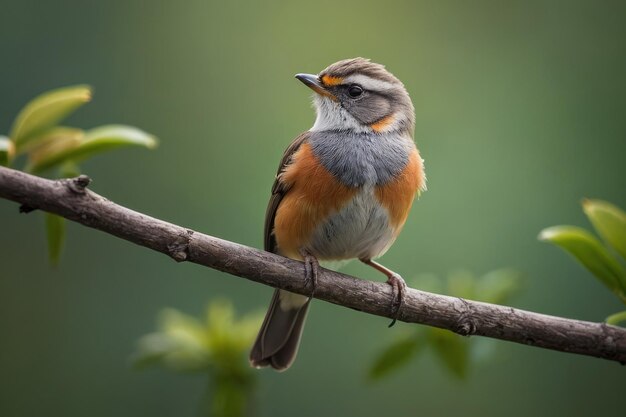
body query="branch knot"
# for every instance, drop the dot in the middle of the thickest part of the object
(179, 248)
(465, 324)
(79, 184)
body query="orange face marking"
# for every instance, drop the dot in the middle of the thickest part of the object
(329, 80)
(314, 195)
(397, 196)
(380, 125)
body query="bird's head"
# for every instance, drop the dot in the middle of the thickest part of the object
(361, 96)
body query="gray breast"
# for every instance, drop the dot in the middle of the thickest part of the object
(360, 229)
(358, 159)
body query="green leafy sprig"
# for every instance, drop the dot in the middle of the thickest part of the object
(216, 346)
(49, 148)
(602, 259)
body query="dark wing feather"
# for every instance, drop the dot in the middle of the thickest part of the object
(279, 189)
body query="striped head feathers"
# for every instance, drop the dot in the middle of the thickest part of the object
(360, 96)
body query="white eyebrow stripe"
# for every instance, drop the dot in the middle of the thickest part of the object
(368, 83)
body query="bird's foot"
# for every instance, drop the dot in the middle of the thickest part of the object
(398, 293)
(311, 270)
(398, 288)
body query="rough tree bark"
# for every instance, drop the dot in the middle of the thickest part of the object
(71, 199)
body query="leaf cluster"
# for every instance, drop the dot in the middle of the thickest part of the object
(216, 346)
(47, 147)
(601, 258)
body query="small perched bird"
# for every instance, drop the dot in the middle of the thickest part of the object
(343, 190)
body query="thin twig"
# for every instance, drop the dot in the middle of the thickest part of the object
(71, 199)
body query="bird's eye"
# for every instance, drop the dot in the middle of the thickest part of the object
(355, 90)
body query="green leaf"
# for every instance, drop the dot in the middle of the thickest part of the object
(589, 252)
(394, 356)
(152, 350)
(98, 140)
(44, 141)
(183, 327)
(55, 230)
(229, 338)
(616, 318)
(52, 153)
(185, 344)
(6, 151)
(185, 339)
(610, 223)
(452, 350)
(47, 110)
(105, 138)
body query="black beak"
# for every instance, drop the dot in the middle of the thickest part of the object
(311, 81)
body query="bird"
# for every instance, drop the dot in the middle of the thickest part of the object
(343, 191)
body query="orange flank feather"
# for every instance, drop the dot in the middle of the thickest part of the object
(397, 196)
(380, 125)
(329, 80)
(314, 194)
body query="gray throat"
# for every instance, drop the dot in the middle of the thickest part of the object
(362, 159)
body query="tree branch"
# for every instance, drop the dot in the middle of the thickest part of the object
(70, 199)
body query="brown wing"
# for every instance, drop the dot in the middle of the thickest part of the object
(279, 189)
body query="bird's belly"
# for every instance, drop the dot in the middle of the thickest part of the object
(360, 229)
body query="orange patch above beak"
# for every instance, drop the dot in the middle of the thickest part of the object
(329, 81)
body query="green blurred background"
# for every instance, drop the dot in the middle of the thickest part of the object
(520, 114)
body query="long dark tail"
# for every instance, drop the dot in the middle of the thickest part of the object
(279, 337)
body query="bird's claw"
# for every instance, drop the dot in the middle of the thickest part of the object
(311, 270)
(398, 293)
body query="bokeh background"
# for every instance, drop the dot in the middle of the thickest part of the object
(520, 114)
